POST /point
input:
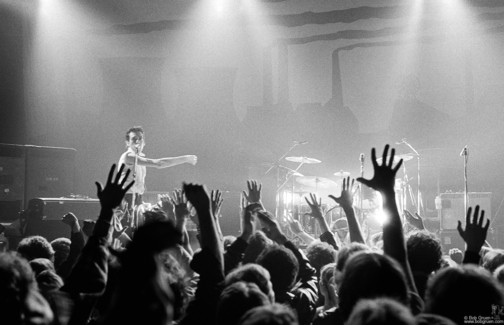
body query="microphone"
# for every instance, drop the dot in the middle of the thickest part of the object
(300, 142)
(361, 158)
(464, 151)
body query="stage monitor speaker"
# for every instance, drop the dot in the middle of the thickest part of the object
(50, 172)
(451, 239)
(56, 208)
(12, 181)
(452, 207)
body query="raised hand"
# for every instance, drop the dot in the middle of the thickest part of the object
(179, 203)
(71, 220)
(198, 196)
(247, 219)
(384, 175)
(475, 233)
(416, 221)
(294, 225)
(315, 206)
(216, 197)
(273, 229)
(456, 255)
(165, 203)
(347, 192)
(192, 159)
(254, 192)
(112, 194)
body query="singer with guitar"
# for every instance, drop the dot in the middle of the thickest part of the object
(135, 159)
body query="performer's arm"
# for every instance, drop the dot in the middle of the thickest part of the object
(160, 162)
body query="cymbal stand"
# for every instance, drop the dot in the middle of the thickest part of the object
(419, 194)
(279, 185)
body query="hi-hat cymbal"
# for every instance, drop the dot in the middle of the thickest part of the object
(342, 174)
(317, 182)
(405, 157)
(304, 160)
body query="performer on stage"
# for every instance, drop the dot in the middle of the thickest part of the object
(135, 159)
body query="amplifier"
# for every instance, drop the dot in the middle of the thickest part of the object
(56, 208)
(452, 207)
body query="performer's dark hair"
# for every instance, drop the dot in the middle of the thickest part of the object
(136, 129)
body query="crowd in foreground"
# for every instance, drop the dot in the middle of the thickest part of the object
(147, 273)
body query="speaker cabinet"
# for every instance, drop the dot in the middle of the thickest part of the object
(56, 208)
(451, 239)
(50, 172)
(452, 207)
(12, 181)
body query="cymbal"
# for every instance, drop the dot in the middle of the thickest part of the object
(315, 181)
(342, 174)
(405, 157)
(292, 171)
(304, 160)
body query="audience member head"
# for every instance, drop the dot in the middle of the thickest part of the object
(499, 274)
(320, 254)
(253, 273)
(462, 291)
(48, 280)
(154, 215)
(39, 265)
(371, 275)
(424, 256)
(327, 285)
(282, 266)
(493, 259)
(20, 301)
(238, 298)
(61, 247)
(257, 243)
(34, 247)
(340, 227)
(424, 252)
(380, 311)
(432, 319)
(228, 241)
(275, 314)
(344, 254)
(141, 290)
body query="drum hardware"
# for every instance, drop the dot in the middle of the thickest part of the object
(303, 160)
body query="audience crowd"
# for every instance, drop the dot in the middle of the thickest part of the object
(115, 271)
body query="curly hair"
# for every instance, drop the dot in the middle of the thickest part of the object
(35, 247)
(135, 129)
(320, 254)
(424, 252)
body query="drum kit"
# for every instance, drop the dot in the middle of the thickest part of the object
(295, 187)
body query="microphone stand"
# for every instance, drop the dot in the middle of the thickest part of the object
(465, 154)
(419, 195)
(133, 192)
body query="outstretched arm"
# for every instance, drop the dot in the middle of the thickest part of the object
(346, 202)
(393, 237)
(160, 162)
(90, 272)
(316, 212)
(200, 199)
